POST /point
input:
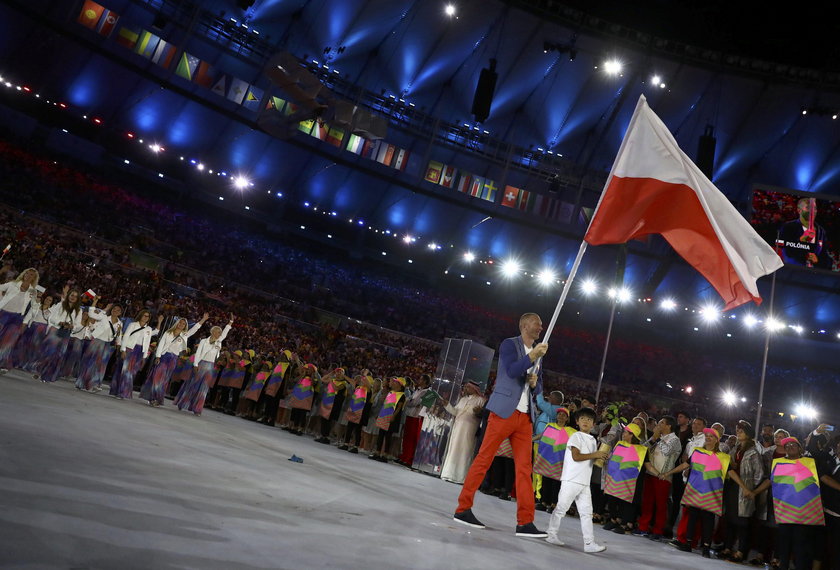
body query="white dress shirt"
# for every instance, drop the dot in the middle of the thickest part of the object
(208, 350)
(136, 335)
(171, 343)
(14, 300)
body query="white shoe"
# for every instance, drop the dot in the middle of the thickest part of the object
(593, 547)
(555, 540)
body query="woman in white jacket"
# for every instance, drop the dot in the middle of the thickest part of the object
(105, 332)
(134, 349)
(64, 319)
(19, 298)
(192, 393)
(171, 344)
(28, 347)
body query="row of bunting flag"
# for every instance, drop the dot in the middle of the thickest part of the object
(103, 21)
(484, 188)
(378, 150)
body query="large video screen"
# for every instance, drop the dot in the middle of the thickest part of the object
(803, 228)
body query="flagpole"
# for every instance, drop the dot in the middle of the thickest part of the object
(606, 349)
(565, 293)
(757, 425)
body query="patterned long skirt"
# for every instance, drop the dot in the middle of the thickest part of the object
(73, 358)
(53, 350)
(155, 385)
(192, 393)
(94, 362)
(28, 348)
(11, 327)
(122, 384)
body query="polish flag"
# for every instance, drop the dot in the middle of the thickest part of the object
(89, 294)
(654, 188)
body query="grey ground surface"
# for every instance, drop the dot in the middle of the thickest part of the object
(88, 481)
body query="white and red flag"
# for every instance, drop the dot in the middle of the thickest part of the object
(654, 188)
(89, 294)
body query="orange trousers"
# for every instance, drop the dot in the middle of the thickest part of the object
(518, 429)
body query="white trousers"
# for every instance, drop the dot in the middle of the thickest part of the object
(579, 494)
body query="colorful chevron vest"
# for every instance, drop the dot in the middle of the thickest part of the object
(550, 450)
(623, 470)
(357, 405)
(328, 399)
(389, 408)
(796, 491)
(276, 379)
(707, 473)
(256, 386)
(301, 396)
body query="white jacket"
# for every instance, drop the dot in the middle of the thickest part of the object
(12, 296)
(59, 315)
(175, 344)
(136, 335)
(102, 327)
(37, 316)
(209, 350)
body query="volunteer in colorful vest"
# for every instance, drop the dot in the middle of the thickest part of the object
(19, 299)
(512, 416)
(64, 319)
(581, 452)
(662, 456)
(106, 331)
(357, 411)
(703, 495)
(549, 455)
(192, 393)
(244, 373)
(413, 421)
(548, 410)
(28, 347)
(170, 346)
(461, 445)
(378, 390)
(797, 504)
(253, 392)
(301, 396)
(221, 392)
(828, 467)
(746, 472)
(134, 349)
(273, 388)
(696, 440)
(333, 392)
(623, 476)
(388, 420)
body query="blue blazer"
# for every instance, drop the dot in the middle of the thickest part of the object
(511, 377)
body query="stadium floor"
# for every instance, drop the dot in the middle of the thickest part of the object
(88, 481)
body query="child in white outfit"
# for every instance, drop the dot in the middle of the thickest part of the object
(581, 450)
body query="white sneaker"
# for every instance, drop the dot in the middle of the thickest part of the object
(555, 540)
(593, 547)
